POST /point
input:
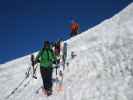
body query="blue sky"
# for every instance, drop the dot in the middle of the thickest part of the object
(25, 24)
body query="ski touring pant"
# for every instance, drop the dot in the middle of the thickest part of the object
(46, 74)
(73, 33)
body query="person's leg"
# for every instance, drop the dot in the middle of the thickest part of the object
(71, 34)
(50, 79)
(44, 79)
(75, 33)
(51, 82)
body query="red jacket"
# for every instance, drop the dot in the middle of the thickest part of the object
(74, 27)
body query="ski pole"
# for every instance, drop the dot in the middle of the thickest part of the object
(34, 71)
(14, 90)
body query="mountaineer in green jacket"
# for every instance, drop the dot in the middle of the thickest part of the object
(46, 58)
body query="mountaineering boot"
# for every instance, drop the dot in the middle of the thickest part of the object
(44, 91)
(49, 92)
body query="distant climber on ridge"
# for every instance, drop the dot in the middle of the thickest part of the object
(74, 28)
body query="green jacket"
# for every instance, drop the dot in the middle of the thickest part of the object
(46, 57)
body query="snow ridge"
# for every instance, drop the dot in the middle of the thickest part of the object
(102, 69)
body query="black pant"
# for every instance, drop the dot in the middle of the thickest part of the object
(46, 74)
(73, 33)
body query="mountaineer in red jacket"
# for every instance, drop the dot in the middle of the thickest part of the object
(74, 28)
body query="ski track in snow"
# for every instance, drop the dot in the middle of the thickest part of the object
(102, 69)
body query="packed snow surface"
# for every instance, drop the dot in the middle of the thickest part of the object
(101, 70)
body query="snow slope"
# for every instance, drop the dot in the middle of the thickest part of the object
(102, 69)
